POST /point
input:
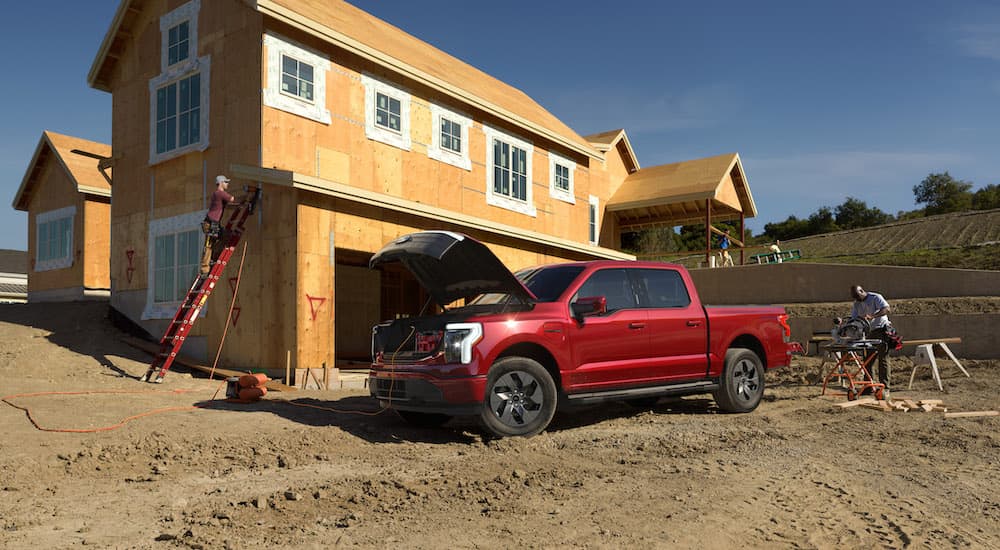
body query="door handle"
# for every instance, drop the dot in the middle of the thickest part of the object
(637, 325)
(694, 323)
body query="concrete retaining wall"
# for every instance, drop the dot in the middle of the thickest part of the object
(799, 283)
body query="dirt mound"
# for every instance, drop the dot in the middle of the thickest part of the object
(319, 469)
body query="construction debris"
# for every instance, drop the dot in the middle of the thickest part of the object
(918, 405)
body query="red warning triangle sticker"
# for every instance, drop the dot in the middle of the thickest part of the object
(235, 315)
(232, 283)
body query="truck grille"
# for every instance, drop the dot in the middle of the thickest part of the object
(390, 389)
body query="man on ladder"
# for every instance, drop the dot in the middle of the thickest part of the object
(213, 264)
(211, 224)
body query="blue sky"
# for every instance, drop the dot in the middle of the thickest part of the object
(823, 100)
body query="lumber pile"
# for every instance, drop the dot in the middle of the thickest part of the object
(914, 405)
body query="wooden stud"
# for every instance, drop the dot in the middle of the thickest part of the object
(971, 414)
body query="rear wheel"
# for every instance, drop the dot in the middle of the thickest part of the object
(520, 398)
(423, 419)
(742, 384)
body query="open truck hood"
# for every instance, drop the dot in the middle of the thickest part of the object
(451, 266)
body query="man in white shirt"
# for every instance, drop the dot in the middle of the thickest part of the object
(873, 307)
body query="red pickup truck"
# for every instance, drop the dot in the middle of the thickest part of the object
(546, 337)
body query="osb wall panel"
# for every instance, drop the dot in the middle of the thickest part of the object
(55, 190)
(97, 243)
(276, 323)
(315, 298)
(229, 32)
(332, 150)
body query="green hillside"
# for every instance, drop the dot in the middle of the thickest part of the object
(969, 240)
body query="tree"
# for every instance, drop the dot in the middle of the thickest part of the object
(821, 221)
(854, 213)
(943, 193)
(986, 198)
(791, 228)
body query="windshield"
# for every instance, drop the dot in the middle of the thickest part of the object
(547, 283)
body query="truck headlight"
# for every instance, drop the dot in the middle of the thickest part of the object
(458, 341)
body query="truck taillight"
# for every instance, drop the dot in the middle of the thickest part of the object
(783, 321)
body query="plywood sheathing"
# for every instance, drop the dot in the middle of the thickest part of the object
(355, 31)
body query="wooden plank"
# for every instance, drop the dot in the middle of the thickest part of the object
(971, 414)
(865, 401)
(927, 407)
(931, 401)
(152, 349)
(949, 340)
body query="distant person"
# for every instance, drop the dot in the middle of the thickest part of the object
(724, 256)
(776, 250)
(874, 308)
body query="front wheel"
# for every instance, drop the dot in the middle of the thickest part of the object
(520, 398)
(742, 383)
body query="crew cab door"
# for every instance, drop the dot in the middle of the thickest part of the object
(607, 348)
(678, 327)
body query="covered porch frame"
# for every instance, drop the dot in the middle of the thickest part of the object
(696, 191)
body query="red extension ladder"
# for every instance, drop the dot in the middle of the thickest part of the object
(201, 289)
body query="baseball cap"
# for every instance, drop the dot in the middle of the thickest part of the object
(221, 179)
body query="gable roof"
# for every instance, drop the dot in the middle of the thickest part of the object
(605, 141)
(82, 170)
(358, 32)
(676, 194)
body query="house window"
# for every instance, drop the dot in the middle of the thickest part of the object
(387, 113)
(178, 114)
(175, 264)
(178, 43)
(54, 239)
(593, 226)
(561, 178)
(450, 137)
(175, 247)
(179, 36)
(508, 172)
(296, 79)
(178, 96)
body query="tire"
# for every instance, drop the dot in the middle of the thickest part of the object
(423, 419)
(520, 398)
(742, 384)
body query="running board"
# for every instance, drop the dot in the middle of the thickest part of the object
(687, 388)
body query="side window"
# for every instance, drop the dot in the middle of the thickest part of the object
(614, 285)
(661, 288)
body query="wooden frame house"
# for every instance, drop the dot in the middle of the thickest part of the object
(68, 201)
(357, 133)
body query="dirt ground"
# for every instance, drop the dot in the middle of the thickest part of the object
(291, 472)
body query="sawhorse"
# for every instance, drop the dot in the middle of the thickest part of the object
(925, 356)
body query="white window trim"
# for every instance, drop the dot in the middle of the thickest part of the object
(46, 217)
(278, 46)
(436, 152)
(178, 72)
(595, 204)
(555, 192)
(158, 228)
(187, 12)
(372, 86)
(528, 206)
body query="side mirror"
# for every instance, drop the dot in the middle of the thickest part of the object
(588, 306)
